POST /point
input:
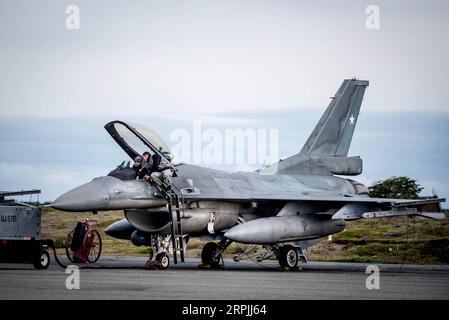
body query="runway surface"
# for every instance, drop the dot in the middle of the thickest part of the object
(124, 278)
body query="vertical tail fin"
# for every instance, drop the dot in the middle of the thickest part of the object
(333, 134)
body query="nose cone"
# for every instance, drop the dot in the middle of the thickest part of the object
(91, 196)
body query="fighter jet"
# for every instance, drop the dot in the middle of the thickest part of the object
(281, 209)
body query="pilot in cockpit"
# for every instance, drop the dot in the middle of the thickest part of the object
(147, 165)
(147, 160)
(156, 159)
(137, 166)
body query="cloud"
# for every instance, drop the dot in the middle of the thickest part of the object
(59, 178)
(218, 56)
(52, 180)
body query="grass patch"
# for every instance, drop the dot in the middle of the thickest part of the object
(348, 234)
(394, 240)
(429, 252)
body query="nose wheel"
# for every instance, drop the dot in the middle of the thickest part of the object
(163, 259)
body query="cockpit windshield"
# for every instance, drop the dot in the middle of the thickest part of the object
(149, 135)
(135, 139)
(131, 139)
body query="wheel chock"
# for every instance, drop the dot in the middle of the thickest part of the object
(153, 265)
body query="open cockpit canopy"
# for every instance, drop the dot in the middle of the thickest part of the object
(135, 139)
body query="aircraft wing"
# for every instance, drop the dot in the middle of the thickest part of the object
(357, 207)
(286, 196)
(348, 199)
(352, 206)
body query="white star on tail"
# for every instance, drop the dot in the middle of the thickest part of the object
(351, 120)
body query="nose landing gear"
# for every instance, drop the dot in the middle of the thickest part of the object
(163, 259)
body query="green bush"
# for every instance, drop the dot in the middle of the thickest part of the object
(59, 242)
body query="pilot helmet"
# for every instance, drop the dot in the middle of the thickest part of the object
(138, 159)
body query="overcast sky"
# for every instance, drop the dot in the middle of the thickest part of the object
(231, 64)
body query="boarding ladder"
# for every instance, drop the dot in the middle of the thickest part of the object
(175, 203)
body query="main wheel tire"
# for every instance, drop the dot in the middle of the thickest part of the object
(288, 257)
(208, 254)
(163, 259)
(42, 260)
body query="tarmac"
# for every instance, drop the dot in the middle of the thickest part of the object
(125, 278)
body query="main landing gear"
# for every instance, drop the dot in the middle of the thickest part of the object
(288, 256)
(212, 253)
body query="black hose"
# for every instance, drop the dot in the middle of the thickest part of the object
(51, 244)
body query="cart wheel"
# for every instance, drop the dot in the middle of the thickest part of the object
(68, 243)
(92, 245)
(42, 260)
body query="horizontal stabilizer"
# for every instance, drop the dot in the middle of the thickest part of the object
(347, 166)
(433, 215)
